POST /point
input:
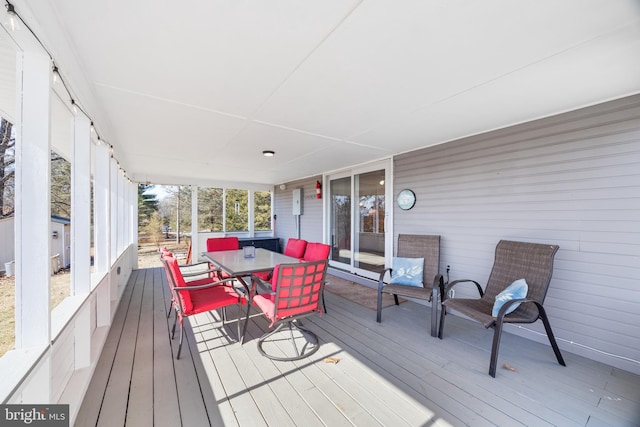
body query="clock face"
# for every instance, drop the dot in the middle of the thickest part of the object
(406, 199)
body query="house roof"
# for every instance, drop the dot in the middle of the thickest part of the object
(194, 91)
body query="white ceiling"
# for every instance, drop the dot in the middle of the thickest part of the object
(193, 91)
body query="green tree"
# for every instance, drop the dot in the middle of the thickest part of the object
(153, 229)
(210, 209)
(237, 210)
(147, 204)
(262, 210)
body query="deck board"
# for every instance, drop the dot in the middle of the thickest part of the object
(166, 409)
(141, 386)
(92, 403)
(115, 401)
(393, 373)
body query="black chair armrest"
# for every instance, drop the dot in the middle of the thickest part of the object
(222, 282)
(381, 278)
(200, 272)
(264, 285)
(208, 285)
(503, 310)
(437, 287)
(456, 282)
(195, 264)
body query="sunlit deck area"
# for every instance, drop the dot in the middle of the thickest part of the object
(390, 374)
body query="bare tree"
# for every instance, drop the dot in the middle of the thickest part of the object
(7, 168)
(60, 186)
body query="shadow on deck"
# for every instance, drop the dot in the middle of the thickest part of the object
(393, 373)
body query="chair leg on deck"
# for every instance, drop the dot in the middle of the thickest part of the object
(246, 323)
(497, 334)
(552, 339)
(443, 312)
(173, 330)
(395, 298)
(310, 339)
(434, 312)
(293, 339)
(180, 345)
(324, 304)
(379, 312)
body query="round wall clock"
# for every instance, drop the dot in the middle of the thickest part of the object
(406, 199)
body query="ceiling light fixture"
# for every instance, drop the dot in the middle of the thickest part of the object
(56, 74)
(268, 153)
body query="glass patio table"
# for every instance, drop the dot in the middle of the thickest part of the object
(238, 266)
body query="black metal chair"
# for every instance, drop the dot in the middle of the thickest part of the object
(416, 246)
(513, 260)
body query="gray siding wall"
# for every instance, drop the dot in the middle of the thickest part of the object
(571, 180)
(311, 218)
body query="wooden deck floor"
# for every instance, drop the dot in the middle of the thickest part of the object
(389, 374)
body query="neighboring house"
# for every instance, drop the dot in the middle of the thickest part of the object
(60, 242)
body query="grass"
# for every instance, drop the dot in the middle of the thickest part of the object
(60, 286)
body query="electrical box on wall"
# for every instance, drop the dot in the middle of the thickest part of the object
(297, 201)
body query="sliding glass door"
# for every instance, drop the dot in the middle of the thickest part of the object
(360, 241)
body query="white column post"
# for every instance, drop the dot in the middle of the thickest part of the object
(101, 210)
(80, 206)
(133, 220)
(122, 229)
(195, 252)
(113, 207)
(33, 202)
(251, 212)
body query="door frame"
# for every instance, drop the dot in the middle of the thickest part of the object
(387, 166)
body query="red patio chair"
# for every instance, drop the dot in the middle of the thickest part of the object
(315, 252)
(295, 248)
(200, 296)
(222, 244)
(297, 293)
(197, 274)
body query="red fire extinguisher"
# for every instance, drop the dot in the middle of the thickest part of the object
(318, 190)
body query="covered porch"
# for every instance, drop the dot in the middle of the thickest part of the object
(138, 381)
(506, 121)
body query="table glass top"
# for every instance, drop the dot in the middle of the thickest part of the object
(235, 263)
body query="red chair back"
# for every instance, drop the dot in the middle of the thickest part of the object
(222, 244)
(295, 248)
(316, 252)
(298, 289)
(176, 280)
